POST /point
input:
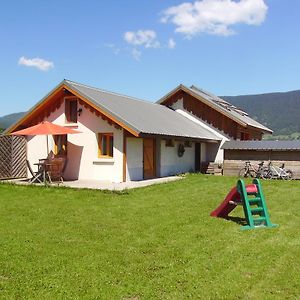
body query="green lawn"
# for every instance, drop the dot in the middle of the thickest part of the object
(157, 242)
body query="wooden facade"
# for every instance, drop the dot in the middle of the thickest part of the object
(234, 160)
(149, 158)
(12, 157)
(214, 117)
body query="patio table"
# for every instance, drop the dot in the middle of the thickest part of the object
(43, 167)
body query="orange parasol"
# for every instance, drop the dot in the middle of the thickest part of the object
(45, 128)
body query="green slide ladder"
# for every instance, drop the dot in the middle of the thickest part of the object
(254, 205)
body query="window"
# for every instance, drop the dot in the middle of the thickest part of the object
(60, 147)
(170, 143)
(105, 144)
(71, 110)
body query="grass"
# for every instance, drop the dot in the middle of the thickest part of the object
(157, 242)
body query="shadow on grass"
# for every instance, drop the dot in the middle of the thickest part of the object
(238, 220)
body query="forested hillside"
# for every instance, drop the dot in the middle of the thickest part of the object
(8, 120)
(278, 111)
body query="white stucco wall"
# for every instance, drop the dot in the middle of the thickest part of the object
(203, 154)
(214, 153)
(134, 159)
(171, 163)
(83, 161)
(36, 149)
(167, 160)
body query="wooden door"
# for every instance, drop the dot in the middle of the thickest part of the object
(149, 158)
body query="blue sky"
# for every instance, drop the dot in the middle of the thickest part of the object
(146, 48)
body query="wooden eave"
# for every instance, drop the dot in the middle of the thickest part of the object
(135, 133)
(193, 139)
(261, 129)
(62, 86)
(198, 97)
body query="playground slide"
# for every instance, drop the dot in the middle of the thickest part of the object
(253, 201)
(224, 209)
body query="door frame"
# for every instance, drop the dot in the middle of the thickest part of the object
(198, 157)
(154, 158)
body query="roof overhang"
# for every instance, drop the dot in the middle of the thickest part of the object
(61, 86)
(194, 139)
(262, 145)
(102, 110)
(219, 109)
(263, 130)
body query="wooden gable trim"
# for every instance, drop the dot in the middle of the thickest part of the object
(136, 134)
(39, 105)
(83, 100)
(198, 97)
(259, 129)
(181, 87)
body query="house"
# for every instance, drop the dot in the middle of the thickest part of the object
(124, 138)
(217, 115)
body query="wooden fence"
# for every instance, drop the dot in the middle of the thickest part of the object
(12, 157)
(234, 160)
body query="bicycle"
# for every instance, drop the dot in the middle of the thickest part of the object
(255, 172)
(275, 172)
(247, 171)
(262, 171)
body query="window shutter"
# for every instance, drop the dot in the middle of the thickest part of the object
(73, 111)
(67, 110)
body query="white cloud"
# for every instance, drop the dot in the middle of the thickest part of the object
(136, 54)
(171, 44)
(214, 16)
(146, 38)
(39, 63)
(141, 39)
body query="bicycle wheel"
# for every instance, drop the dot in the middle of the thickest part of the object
(242, 173)
(267, 173)
(264, 173)
(260, 174)
(289, 174)
(251, 173)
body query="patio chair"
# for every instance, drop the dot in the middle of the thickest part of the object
(36, 176)
(56, 167)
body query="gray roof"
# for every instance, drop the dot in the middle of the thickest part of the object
(262, 145)
(142, 116)
(224, 107)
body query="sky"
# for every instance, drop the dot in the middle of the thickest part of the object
(145, 48)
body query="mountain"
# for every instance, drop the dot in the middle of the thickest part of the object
(8, 120)
(278, 111)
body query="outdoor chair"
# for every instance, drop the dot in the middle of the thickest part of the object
(56, 167)
(36, 176)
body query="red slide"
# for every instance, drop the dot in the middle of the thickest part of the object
(224, 209)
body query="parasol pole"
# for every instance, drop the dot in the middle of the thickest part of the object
(47, 145)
